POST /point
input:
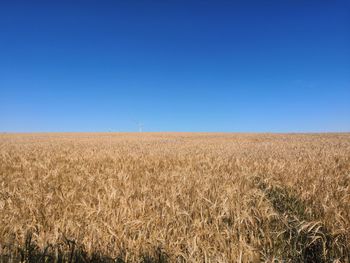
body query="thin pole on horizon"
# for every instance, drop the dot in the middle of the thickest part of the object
(140, 125)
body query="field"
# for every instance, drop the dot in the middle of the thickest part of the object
(174, 197)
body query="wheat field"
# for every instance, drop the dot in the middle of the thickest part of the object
(174, 197)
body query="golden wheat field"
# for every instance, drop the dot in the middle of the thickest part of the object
(174, 197)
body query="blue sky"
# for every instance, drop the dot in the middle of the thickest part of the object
(231, 66)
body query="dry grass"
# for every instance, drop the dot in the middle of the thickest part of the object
(175, 197)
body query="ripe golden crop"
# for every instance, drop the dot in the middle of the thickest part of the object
(175, 197)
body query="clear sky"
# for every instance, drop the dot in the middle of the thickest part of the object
(232, 66)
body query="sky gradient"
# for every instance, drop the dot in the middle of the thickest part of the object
(277, 66)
